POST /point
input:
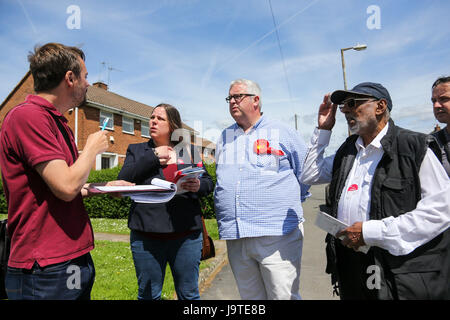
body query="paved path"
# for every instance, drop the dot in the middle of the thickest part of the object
(112, 237)
(315, 284)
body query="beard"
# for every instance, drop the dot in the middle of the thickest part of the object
(442, 116)
(79, 98)
(353, 125)
(360, 127)
(82, 102)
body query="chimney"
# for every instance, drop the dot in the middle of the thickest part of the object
(100, 85)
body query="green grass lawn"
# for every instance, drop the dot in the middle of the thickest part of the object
(119, 226)
(115, 277)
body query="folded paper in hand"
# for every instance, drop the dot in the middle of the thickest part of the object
(332, 226)
(186, 173)
(157, 192)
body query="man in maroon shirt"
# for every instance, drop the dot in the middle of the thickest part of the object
(44, 181)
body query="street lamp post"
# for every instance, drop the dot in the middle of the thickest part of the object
(358, 47)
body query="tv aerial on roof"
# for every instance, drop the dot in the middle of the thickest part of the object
(105, 66)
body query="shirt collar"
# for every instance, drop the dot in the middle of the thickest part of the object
(375, 143)
(255, 126)
(37, 100)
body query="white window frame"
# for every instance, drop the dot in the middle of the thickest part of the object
(113, 160)
(146, 125)
(105, 114)
(129, 121)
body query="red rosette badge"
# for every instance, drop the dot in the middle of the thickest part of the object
(261, 146)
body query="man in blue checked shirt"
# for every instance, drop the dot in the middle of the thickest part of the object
(258, 198)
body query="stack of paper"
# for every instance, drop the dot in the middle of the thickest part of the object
(158, 191)
(186, 173)
(332, 226)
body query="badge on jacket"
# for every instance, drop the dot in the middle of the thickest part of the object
(261, 146)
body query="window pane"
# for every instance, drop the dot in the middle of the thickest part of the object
(145, 130)
(127, 125)
(105, 163)
(103, 116)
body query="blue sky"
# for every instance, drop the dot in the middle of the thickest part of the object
(187, 52)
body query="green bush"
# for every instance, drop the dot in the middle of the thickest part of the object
(208, 201)
(105, 206)
(3, 205)
(102, 206)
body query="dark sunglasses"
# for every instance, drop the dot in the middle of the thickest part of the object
(352, 102)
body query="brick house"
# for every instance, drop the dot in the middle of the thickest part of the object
(129, 120)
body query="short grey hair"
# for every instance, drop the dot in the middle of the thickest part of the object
(387, 114)
(251, 86)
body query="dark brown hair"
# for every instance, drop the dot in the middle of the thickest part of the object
(173, 116)
(440, 81)
(50, 62)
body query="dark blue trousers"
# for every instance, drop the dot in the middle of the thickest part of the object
(69, 280)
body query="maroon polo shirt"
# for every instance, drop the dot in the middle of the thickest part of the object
(42, 227)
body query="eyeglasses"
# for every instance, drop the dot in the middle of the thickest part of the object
(352, 102)
(238, 97)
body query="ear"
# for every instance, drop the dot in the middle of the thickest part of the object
(381, 107)
(69, 78)
(256, 102)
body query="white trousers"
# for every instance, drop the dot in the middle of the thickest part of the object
(267, 268)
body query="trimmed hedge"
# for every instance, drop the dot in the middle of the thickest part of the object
(105, 206)
(208, 201)
(3, 205)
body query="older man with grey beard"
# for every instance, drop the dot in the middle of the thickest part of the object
(388, 186)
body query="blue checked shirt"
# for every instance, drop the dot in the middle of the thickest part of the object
(259, 195)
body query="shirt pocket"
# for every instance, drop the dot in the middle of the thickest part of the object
(397, 196)
(268, 162)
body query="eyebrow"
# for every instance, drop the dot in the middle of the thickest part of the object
(440, 97)
(154, 115)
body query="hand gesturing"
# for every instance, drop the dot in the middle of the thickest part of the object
(327, 113)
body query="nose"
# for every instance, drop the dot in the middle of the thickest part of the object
(436, 104)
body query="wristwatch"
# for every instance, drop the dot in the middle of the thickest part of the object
(155, 152)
